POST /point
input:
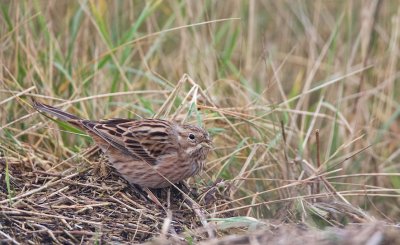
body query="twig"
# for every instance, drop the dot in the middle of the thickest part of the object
(19, 211)
(45, 186)
(285, 150)
(17, 95)
(8, 237)
(318, 160)
(51, 234)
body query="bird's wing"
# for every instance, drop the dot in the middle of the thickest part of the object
(144, 139)
(109, 131)
(150, 139)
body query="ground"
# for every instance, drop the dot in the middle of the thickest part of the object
(301, 98)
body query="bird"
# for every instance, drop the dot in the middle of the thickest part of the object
(150, 153)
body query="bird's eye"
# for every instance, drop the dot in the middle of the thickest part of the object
(191, 136)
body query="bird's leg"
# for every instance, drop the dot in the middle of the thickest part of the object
(184, 189)
(168, 198)
(138, 192)
(152, 197)
(147, 195)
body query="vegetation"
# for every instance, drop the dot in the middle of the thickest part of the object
(302, 99)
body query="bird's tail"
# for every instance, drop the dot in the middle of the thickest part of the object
(62, 115)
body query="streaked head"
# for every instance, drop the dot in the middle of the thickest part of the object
(194, 140)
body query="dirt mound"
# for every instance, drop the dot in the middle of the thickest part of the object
(90, 205)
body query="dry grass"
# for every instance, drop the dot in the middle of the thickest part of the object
(302, 99)
(373, 233)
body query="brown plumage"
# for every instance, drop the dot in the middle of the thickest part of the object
(151, 153)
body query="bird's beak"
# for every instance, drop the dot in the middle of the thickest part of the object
(207, 144)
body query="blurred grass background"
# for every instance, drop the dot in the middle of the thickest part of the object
(265, 75)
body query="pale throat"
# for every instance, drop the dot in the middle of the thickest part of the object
(193, 149)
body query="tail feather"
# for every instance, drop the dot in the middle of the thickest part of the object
(62, 115)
